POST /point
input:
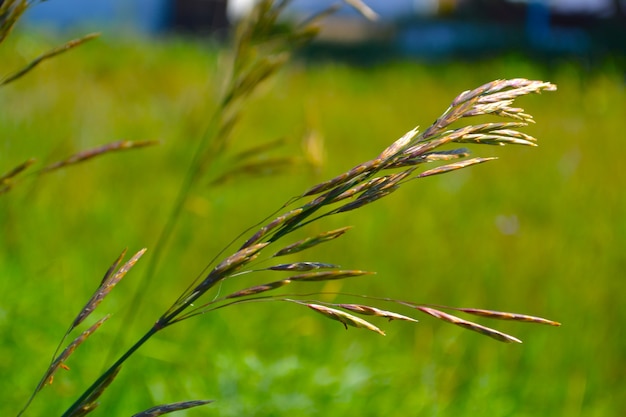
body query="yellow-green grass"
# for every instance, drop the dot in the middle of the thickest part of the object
(439, 240)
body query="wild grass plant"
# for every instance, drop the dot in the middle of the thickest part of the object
(367, 182)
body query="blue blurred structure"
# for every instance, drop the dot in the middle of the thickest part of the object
(429, 29)
(147, 16)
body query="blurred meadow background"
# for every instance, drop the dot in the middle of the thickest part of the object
(540, 231)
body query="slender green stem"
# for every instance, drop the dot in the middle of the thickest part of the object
(172, 219)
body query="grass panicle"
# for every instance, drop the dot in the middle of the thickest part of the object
(263, 44)
(363, 185)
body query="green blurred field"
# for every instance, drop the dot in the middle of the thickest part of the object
(439, 240)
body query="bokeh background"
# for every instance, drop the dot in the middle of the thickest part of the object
(540, 231)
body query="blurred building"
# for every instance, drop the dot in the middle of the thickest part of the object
(421, 28)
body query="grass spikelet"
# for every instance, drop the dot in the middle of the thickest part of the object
(373, 311)
(309, 242)
(113, 267)
(82, 156)
(17, 170)
(494, 139)
(454, 166)
(109, 281)
(359, 188)
(279, 221)
(60, 360)
(500, 315)
(159, 410)
(343, 178)
(499, 90)
(5, 180)
(329, 275)
(52, 53)
(399, 144)
(219, 273)
(371, 190)
(343, 317)
(259, 289)
(494, 334)
(237, 260)
(302, 266)
(365, 199)
(445, 155)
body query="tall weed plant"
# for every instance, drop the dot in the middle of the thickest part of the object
(262, 44)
